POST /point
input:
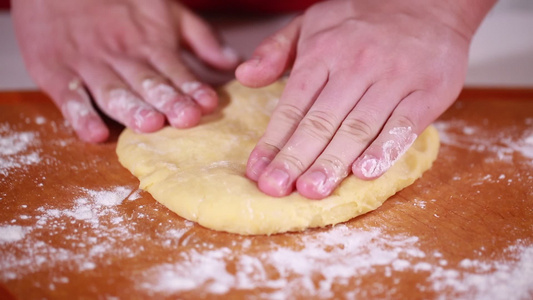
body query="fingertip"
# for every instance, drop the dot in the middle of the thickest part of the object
(147, 120)
(368, 167)
(185, 116)
(207, 99)
(230, 57)
(313, 185)
(275, 183)
(246, 72)
(93, 131)
(223, 58)
(98, 131)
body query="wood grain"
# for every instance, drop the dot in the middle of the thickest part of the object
(474, 205)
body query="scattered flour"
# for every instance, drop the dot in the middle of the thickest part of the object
(17, 149)
(11, 233)
(320, 260)
(96, 210)
(419, 203)
(460, 134)
(317, 262)
(40, 120)
(511, 278)
(340, 256)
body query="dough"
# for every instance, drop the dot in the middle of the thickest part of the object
(199, 172)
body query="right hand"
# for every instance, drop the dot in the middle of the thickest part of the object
(125, 53)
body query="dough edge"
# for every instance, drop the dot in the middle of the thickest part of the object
(222, 198)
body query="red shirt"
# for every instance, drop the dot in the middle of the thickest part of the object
(260, 6)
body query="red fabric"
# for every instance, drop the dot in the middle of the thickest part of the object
(4, 4)
(260, 6)
(257, 6)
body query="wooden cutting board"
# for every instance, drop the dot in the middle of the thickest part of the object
(74, 225)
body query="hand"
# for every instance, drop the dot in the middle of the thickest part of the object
(125, 53)
(367, 77)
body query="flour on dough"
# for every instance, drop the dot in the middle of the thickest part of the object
(199, 172)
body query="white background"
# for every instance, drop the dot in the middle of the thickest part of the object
(501, 53)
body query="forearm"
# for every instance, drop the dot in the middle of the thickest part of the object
(462, 16)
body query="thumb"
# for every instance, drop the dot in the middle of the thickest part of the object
(271, 58)
(198, 35)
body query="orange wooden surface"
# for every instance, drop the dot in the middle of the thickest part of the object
(74, 225)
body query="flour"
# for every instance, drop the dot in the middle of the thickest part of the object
(189, 87)
(484, 279)
(401, 138)
(18, 149)
(161, 95)
(40, 120)
(124, 104)
(94, 226)
(336, 257)
(94, 209)
(11, 233)
(501, 144)
(311, 267)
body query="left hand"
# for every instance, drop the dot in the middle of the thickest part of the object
(367, 77)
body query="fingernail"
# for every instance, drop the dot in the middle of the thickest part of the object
(160, 95)
(97, 132)
(205, 98)
(184, 115)
(318, 180)
(230, 54)
(369, 167)
(141, 116)
(94, 125)
(279, 177)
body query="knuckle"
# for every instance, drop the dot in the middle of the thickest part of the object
(319, 124)
(289, 112)
(358, 129)
(291, 161)
(267, 148)
(274, 43)
(405, 121)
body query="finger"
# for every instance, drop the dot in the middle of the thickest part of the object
(356, 132)
(300, 92)
(70, 96)
(313, 133)
(169, 64)
(201, 39)
(117, 100)
(407, 121)
(271, 58)
(181, 111)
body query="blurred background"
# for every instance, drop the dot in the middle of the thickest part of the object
(501, 53)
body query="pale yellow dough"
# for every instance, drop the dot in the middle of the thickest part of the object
(199, 172)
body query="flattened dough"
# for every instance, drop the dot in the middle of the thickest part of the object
(199, 172)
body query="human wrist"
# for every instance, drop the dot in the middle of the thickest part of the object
(464, 16)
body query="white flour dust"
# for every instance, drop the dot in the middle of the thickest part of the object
(317, 262)
(11, 233)
(321, 259)
(336, 257)
(17, 149)
(475, 138)
(511, 278)
(26, 248)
